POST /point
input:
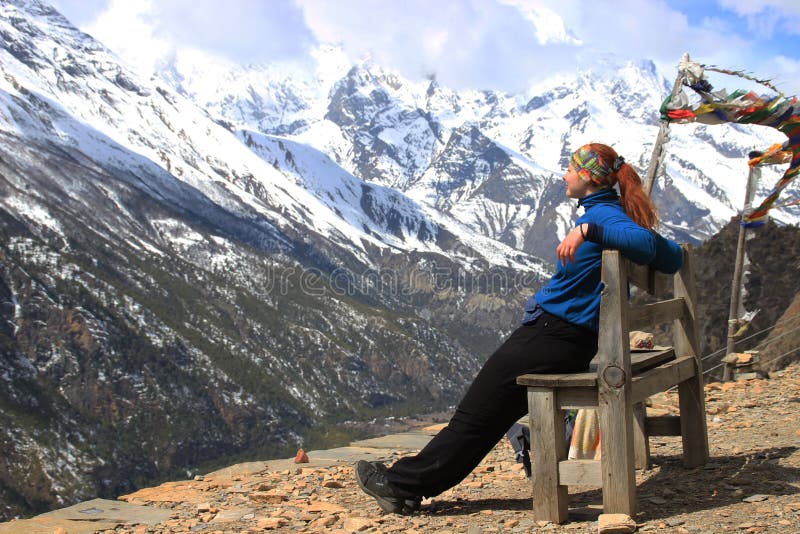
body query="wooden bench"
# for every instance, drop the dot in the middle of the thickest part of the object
(617, 388)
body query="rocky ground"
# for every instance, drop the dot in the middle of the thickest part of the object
(752, 484)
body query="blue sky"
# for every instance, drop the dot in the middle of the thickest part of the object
(484, 44)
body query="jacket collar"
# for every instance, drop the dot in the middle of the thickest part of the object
(604, 196)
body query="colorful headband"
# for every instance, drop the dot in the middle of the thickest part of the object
(591, 167)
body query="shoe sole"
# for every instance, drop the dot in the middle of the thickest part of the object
(387, 504)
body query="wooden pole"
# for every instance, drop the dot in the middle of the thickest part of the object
(736, 284)
(663, 134)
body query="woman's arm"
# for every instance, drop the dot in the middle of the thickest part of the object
(636, 243)
(667, 255)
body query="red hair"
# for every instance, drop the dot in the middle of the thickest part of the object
(635, 202)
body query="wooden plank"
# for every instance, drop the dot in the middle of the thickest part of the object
(656, 313)
(614, 391)
(686, 336)
(690, 393)
(693, 422)
(580, 473)
(568, 398)
(641, 445)
(550, 498)
(580, 397)
(663, 425)
(640, 361)
(647, 279)
(587, 379)
(662, 377)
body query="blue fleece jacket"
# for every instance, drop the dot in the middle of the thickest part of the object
(573, 292)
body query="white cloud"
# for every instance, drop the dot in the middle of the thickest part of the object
(491, 44)
(767, 16)
(80, 12)
(248, 30)
(125, 26)
(465, 43)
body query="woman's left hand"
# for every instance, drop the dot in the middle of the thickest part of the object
(565, 251)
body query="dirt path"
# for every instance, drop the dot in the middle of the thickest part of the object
(752, 484)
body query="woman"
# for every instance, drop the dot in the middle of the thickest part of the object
(558, 332)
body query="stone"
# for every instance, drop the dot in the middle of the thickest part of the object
(301, 457)
(332, 484)
(357, 524)
(321, 506)
(271, 523)
(324, 522)
(233, 515)
(756, 498)
(267, 497)
(615, 524)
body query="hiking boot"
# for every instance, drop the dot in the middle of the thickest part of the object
(371, 477)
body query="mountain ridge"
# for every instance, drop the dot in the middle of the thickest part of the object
(186, 281)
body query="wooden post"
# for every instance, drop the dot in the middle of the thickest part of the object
(614, 391)
(663, 132)
(550, 498)
(641, 445)
(736, 283)
(691, 396)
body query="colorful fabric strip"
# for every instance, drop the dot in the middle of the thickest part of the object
(742, 107)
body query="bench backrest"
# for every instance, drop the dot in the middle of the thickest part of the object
(618, 317)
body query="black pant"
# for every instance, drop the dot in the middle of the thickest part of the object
(493, 403)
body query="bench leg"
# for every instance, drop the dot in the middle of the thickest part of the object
(693, 422)
(641, 445)
(550, 499)
(616, 442)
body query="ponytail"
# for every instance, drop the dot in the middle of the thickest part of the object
(636, 204)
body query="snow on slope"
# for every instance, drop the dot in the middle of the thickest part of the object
(91, 102)
(391, 131)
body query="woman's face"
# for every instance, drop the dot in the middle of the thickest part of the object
(576, 186)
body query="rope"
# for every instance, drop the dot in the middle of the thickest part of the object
(704, 358)
(773, 339)
(783, 334)
(751, 336)
(742, 74)
(707, 371)
(673, 388)
(782, 355)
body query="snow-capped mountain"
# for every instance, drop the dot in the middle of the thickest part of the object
(222, 260)
(176, 289)
(491, 160)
